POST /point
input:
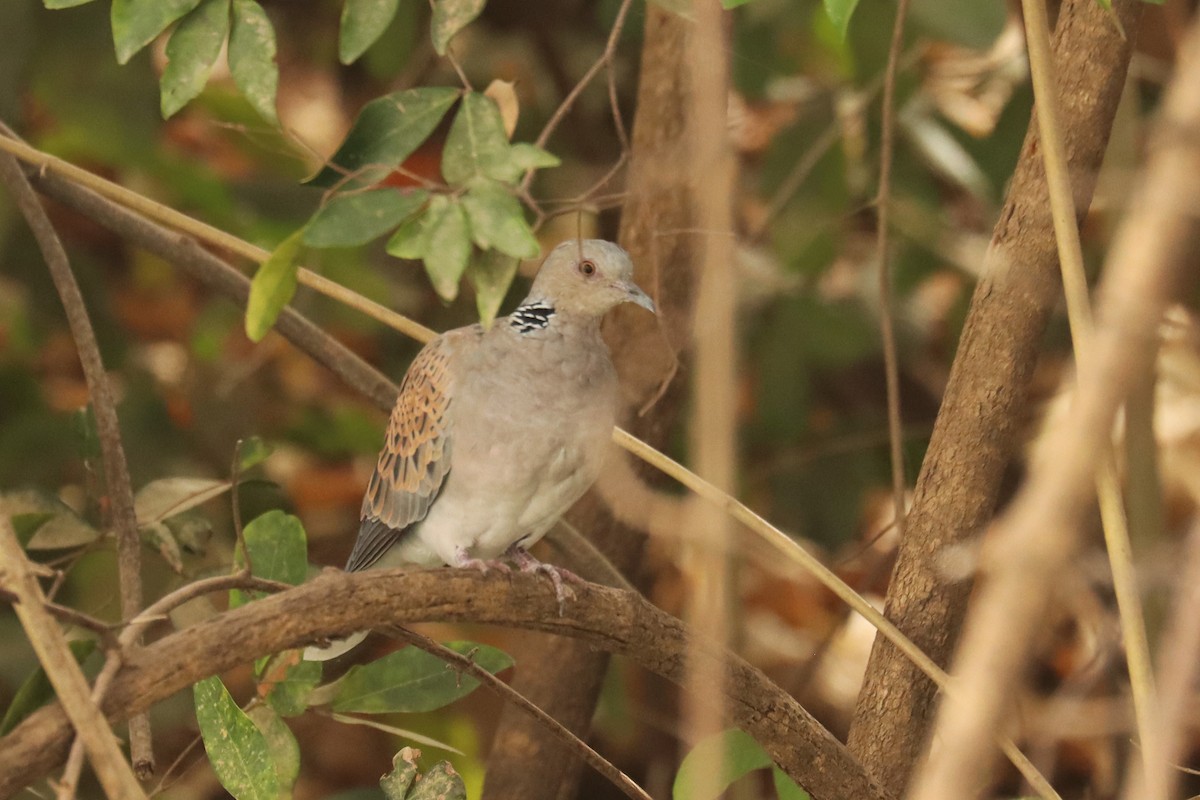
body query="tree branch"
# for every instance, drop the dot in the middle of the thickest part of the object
(77, 713)
(1146, 268)
(336, 603)
(976, 431)
(108, 430)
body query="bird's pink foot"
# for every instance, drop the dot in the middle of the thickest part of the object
(557, 575)
(463, 560)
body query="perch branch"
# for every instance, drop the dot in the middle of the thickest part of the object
(336, 603)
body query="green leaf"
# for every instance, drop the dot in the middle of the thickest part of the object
(450, 17)
(529, 156)
(56, 4)
(477, 145)
(411, 680)
(288, 681)
(491, 273)
(387, 131)
(447, 246)
(252, 58)
(281, 744)
(840, 12)
(396, 783)
(739, 755)
(273, 287)
(36, 691)
(441, 782)
(278, 547)
(237, 749)
(411, 239)
(497, 221)
(191, 53)
(159, 500)
(728, 4)
(349, 220)
(135, 23)
(252, 451)
(785, 787)
(363, 21)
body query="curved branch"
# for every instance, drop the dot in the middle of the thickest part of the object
(336, 604)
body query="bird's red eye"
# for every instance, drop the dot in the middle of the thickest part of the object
(588, 268)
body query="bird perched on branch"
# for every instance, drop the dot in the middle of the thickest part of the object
(497, 433)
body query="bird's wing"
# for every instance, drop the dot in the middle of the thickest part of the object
(415, 458)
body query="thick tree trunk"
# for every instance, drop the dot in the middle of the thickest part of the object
(976, 430)
(564, 676)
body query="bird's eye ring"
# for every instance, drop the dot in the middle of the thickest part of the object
(587, 267)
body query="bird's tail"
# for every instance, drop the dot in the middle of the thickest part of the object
(335, 648)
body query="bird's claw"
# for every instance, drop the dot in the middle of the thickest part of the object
(464, 561)
(557, 575)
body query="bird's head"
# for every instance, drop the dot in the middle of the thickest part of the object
(588, 277)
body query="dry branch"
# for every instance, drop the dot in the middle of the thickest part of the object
(976, 431)
(1150, 260)
(335, 604)
(48, 642)
(108, 431)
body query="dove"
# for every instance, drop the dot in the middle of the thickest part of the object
(497, 432)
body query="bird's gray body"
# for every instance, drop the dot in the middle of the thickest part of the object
(531, 417)
(497, 433)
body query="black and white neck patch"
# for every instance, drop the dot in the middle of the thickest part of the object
(531, 317)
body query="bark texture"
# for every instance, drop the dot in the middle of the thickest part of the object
(337, 603)
(563, 676)
(976, 430)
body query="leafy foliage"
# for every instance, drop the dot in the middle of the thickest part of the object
(441, 782)
(273, 286)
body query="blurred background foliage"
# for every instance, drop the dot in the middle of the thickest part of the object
(805, 121)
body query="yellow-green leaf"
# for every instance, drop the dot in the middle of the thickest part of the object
(273, 286)
(477, 145)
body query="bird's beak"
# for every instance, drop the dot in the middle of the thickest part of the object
(634, 294)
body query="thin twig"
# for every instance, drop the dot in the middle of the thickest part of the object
(887, 323)
(467, 666)
(134, 629)
(108, 430)
(182, 222)
(69, 615)
(605, 60)
(1112, 508)
(48, 642)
